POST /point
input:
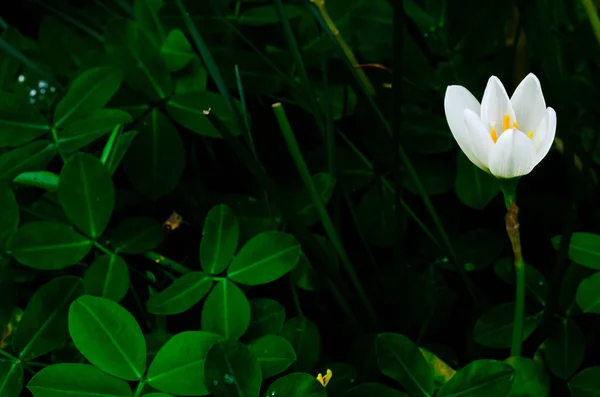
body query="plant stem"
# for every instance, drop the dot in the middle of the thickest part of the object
(140, 388)
(512, 229)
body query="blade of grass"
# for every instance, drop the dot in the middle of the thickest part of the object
(405, 161)
(332, 234)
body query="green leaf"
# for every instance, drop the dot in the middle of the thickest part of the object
(266, 318)
(531, 378)
(11, 378)
(89, 128)
(108, 336)
(34, 156)
(297, 385)
(48, 245)
(61, 380)
(302, 203)
(89, 91)
(107, 277)
(482, 377)
(304, 336)
(435, 175)
(536, 285)
(474, 187)
(265, 258)
(156, 158)
(188, 110)
(588, 294)
(226, 311)
(180, 296)
(178, 367)
(121, 147)
(176, 50)
(43, 327)
(191, 79)
(400, 359)
(42, 179)
(157, 395)
(9, 215)
(374, 389)
(20, 121)
(145, 13)
(584, 249)
(586, 383)
(219, 239)
(494, 327)
(274, 354)
(137, 235)
(477, 249)
(565, 349)
(86, 193)
(230, 370)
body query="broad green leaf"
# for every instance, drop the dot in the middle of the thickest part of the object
(531, 378)
(231, 370)
(145, 13)
(265, 258)
(400, 359)
(477, 249)
(107, 277)
(536, 285)
(302, 203)
(297, 384)
(34, 156)
(571, 281)
(376, 216)
(188, 110)
(586, 383)
(11, 378)
(156, 158)
(131, 49)
(226, 311)
(266, 318)
(89, 128)
(86, 193)
(108, 336)
(474, 187)
(157, 395)
(43, 326)
(274, 354)
(60, 380)
(176, 50)
(89, 91)
(121, 147)
(219, 239)
(192, 79)
(374, 389)
(304, 336)
(482, 377)
(584, 249)
(137, 235)
(42, 179)
(48, 245)
(494, 327)
(9, 214)
(253, 215)
(178, 367)
(20, 121)
(588, 294)
(180, 296)
(565, 349)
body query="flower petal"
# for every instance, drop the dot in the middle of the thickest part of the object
(543, 137)
(458, 99)
(513, 155)
(479, 137)
(495, 105)
(528, 103)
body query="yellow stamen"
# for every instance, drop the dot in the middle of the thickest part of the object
(516, 125)
(494, 136)
(324, 380)
(506, 123)
(530, 134)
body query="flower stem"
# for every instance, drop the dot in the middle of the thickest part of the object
(512, 229)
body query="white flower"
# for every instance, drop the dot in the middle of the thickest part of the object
(504, 137)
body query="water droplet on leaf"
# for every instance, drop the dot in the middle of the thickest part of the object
(228, 379)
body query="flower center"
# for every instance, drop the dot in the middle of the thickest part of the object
(506, 126)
